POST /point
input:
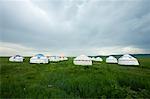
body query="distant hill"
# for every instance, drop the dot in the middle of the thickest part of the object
(141, 55)
(135, 55)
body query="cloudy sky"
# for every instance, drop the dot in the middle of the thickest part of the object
(74, 27)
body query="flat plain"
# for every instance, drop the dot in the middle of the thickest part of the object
(65, 80)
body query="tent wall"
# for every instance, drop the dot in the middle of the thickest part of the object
(38, 60)
(111, 61)
(82, 62)
(16, 59)
(128, 62)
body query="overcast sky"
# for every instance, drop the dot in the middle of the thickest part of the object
(74, 27)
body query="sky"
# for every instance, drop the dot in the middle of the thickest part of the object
(74, 27)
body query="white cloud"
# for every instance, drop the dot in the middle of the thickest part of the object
(9, 49)
(75, 26)
(13, 49)
(121, 50)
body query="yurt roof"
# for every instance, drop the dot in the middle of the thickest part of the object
(98, 58)
(127, 57)
(111, 57)
(16, 56)
(82, 57)
(39, 55)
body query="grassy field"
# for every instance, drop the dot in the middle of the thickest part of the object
(65, 80)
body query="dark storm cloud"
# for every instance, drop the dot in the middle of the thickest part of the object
(76, 24)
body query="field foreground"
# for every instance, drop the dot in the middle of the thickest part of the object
(65, 80)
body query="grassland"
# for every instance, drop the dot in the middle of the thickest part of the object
(65, 80)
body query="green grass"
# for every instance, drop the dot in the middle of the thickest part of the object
(65, 80)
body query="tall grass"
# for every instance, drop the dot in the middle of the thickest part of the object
(65, 80)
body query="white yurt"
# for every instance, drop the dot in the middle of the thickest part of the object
(82, 60)
(111, 59)
(54, 59)
(61, 58)
(16, 58)
(65, 58)
(127, 60)
(39, 58)
(93, 58)
(99, 59)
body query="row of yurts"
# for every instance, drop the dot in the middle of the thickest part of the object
(79, 60)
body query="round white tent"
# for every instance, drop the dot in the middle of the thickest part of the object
(111, 59)
(54, 59)
(99, 59)
(82, 60)
(16, 58)
(93, 58)
(127, 60)
(39, 58)
(65, 58)
(61, 58)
